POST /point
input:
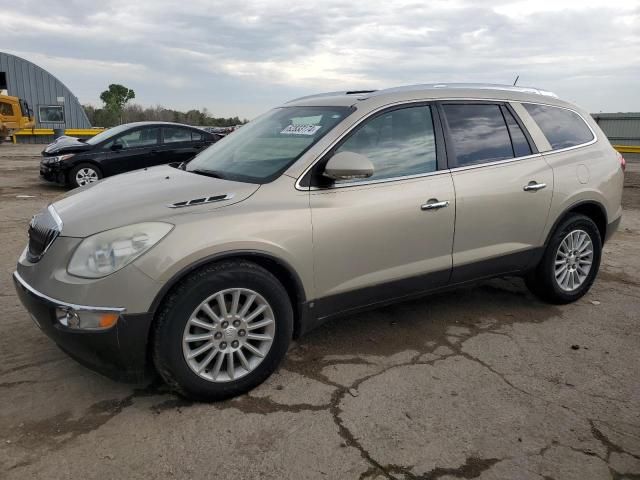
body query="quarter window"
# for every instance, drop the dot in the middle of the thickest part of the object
(478, 132)
(562, 127)
(398, 143)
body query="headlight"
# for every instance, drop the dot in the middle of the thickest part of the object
(60, 158)
(107, 252)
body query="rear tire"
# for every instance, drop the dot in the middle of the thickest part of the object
(209, 305)
(84, 174)
(570, 262)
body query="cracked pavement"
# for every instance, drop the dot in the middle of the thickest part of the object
(484, 382)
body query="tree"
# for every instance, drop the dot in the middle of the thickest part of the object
(116, 97)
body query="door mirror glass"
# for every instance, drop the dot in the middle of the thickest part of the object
(348, 166)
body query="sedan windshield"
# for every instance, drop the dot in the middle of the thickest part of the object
(110, 132)
(261, 150)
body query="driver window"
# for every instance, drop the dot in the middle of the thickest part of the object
(136, 139)
(398, 143)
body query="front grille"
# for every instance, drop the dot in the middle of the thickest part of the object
(44, 228)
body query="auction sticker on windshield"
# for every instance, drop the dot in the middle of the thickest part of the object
(301, 129)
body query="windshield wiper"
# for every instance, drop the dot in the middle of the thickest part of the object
(208, 173)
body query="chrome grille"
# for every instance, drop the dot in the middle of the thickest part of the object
(44, 228)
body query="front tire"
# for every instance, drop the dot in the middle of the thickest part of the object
(222, 331)
(570, 262)
(84, 174)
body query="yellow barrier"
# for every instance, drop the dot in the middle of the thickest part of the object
(627, 148)
(72, 132)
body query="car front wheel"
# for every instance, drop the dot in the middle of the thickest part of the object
(84, 174)
(222, 331)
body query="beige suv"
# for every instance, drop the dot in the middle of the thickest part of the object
(325, 205)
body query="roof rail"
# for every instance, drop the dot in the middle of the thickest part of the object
(479, 86)
(332, 94)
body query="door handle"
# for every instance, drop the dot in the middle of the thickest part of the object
(434, 204)
(534, 186)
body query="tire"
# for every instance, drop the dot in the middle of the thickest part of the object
(194, 379)
(553, 285)
(89, 171)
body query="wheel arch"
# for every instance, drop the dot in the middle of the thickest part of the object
(590, 208)
(281, 269)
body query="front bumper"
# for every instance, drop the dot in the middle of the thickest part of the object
(53, 173)
(119, 352)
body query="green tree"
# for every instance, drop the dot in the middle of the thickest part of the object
(116, 97)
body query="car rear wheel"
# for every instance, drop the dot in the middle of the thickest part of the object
(84, 174)
(570, 262)
(222, 331)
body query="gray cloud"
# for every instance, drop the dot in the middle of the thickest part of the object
(243, 57)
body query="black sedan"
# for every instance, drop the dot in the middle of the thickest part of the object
(78, 162)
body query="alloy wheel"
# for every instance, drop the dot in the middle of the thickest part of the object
(574, 259)
(86, 175)
(228, 335)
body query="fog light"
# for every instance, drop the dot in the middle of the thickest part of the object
(86, 320)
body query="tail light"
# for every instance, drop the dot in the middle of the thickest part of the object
(623, 162)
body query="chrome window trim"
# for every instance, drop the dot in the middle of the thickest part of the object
(449, 170)
(496, 162)
(60, 303)
(374, 182)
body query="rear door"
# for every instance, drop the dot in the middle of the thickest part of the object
(503, 189)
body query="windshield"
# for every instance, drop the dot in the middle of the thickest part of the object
(107, 134)
(261, 150)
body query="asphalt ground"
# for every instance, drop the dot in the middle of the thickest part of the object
(484, 382)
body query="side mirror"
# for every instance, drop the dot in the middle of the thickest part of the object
(117, 146)
(348, 166)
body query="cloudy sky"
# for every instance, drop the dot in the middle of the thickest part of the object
(242, 57)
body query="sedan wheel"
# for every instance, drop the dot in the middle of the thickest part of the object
(85, 176)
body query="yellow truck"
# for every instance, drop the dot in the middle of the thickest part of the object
(15, 115)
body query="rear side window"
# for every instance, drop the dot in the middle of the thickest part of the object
(563, 128)
(478, 132)
(174, 135)
(196, 136)
(399, 143)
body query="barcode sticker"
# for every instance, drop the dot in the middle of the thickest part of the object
(301, 129)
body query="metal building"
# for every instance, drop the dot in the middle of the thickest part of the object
(53, 104)
(620, 128)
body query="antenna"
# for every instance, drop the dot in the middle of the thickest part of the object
(515, 82)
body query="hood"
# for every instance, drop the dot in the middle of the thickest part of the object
(142, 196)
(66, 144)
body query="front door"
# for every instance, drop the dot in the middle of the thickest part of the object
(389, 235)
(503, 190)
(132, 150)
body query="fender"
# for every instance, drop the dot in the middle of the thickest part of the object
(299, 292)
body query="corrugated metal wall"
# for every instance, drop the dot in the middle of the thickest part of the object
(38, 87)
(620, 128)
